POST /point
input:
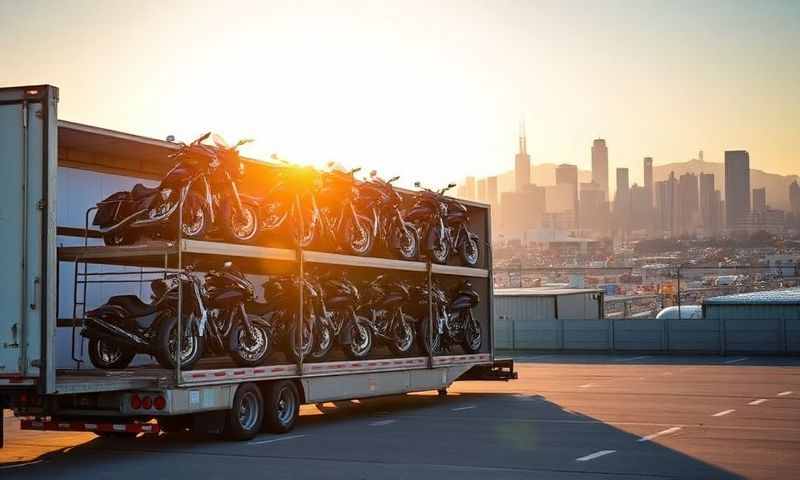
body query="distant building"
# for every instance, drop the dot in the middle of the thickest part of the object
(759, 199)
(794, 198)
(522, 163)
(491, 191)
(560, 198)
(666, 192)
(688, 204)
(481, 193)
(521, 211)
(648, 179)
(737, 187)
(768, 220)
(709, 205)
(600, 165)
(622, 202)
(593, 208)
(568, 175)
(641, 216)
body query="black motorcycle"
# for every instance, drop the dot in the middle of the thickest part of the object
(125, 326)
(247, 338)
(442, 223)
(204, 181)
(343, 227)
(453, 321)
(382, 303)
(351, 330)
(382, 206)
(280, 312)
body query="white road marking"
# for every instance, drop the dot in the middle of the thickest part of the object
(722, 413)
(468, 407)
(647, 438)
(783, 394)
(382, 423)
(641, 357)
(667, 373)
(736, 360)
(586, 385)
(594, 455)
(19, 465)
(281, 439)
(758, 402)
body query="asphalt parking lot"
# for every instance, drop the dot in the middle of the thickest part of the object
(584, 416)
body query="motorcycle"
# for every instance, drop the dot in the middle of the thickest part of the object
(381, 202)
(125, 326)
(280, 312)
(341, 225)
(382, 304)
(443, 226)
(351, 330)
(247, 338)
(453, 322)
(203, 183)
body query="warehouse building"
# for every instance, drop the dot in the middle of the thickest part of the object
(767, 305)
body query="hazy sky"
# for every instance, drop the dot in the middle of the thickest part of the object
(427, 90)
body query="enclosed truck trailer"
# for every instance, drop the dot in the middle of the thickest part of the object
(55, 268)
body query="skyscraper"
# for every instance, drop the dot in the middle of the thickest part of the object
(688, 204)
(622, 201)
(491, 191)
(600, 165)
(568, 175)
(648, 179)
(665, 204)
(759, 199)
(709, 207)
(737, 186)
(794, 198)
(522, 163)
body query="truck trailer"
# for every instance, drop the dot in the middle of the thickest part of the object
(55, 268)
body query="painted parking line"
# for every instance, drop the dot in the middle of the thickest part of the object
(586, 385)
(783, 394)
(20, 465)
(758, 402)
(736, 360)
(641, 357)
(468, 407)
(723, 413)
(381, 423)
(668, 431)
(594, 455)
(274, 440)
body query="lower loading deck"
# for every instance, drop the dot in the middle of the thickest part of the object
(146, 378)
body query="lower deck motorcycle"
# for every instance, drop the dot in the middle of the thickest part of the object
(350, 329)
(453, 321)
(383, 302)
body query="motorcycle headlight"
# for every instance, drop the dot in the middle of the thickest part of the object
(165, 193)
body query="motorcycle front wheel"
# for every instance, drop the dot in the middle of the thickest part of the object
(290, 342)
(358, 236)
(361, 342)
(431, 344)
(470, 252)
(239, 227)
(250, 348)
(196, 218)
(403, 336)
(192, 345)
(405, 242)
(324, 342)
(440, 250)
(107, 356)
(472, 335)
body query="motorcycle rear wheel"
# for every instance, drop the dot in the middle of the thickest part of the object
(324, 342)
(196, 219)
(429, 345)
(107, 356)
(405, 243)
(192, 346)
(440, 251)
(361, 340)
(472, 337)
(403, 338)
(290, 342)
(358, 237)
(470, 252)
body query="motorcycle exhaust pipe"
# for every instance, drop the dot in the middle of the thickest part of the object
(96, 328)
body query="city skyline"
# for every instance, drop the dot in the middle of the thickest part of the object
(430, 100)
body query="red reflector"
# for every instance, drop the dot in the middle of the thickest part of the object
(136, 402)
(160, 402)
(147, 403)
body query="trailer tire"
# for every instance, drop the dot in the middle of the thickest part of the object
(246, 415)
(282, 406)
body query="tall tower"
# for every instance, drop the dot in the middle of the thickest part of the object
(759, 199)
(568, 175)
(600, 165)
(522, 162)
(737, 186)
(648, 180)
(622, 201)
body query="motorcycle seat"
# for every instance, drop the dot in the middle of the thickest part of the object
(140, 191)
(132, 304)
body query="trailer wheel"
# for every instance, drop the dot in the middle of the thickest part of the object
(282, 406)
(246, 416)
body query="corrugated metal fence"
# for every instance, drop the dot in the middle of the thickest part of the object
(651, 335)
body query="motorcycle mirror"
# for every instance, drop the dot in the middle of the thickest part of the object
(451, 185)
(373, 173)
(244, 141)
(202, 137)
(330, 163)
(355, 170)
(394, 179)
(417, 184)
(170, 138)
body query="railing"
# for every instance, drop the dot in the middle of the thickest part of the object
(709, 336)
